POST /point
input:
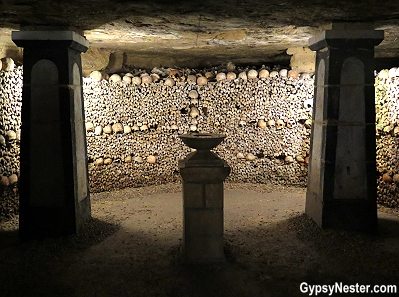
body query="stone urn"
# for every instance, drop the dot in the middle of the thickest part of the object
(203, 143)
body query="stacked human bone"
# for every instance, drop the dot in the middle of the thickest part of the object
(133, 123)
(387, 130)
(10, 123)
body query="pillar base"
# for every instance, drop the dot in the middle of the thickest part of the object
(49, 222)
(343, 214)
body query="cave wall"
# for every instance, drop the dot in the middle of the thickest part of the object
(132, 128)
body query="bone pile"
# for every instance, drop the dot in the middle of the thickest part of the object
(387, 134)
(10, 123)
(133, 123)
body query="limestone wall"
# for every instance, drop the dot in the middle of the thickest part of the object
(133, 128)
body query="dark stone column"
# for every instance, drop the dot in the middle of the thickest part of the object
(54, 188)
(341, 190)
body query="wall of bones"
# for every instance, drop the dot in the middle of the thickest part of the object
(10, 123)
(387, 135)
(132, 129)
(133, 121)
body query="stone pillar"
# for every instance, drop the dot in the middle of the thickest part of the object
(54, 188)
(203, 221)
(341, 190)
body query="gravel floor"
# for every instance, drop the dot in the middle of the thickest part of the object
(131, 248)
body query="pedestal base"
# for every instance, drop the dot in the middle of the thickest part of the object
(203, 224)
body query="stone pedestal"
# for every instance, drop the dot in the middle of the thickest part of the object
(54, 188)
(341, 191)
(203, 175)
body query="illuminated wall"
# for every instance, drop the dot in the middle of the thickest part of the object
(132, 129)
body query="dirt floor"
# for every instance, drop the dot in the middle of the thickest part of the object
(131, 248)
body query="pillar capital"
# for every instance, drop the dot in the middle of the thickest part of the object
(50, 38)
(357, 35)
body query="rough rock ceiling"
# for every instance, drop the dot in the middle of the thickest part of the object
(202, 32)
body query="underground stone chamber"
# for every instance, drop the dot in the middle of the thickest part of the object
(133, 121)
